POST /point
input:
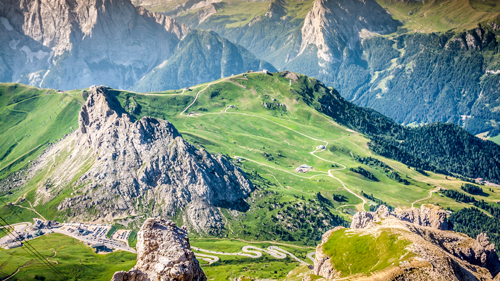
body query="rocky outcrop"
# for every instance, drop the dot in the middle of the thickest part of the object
(333, 25)
(74, 44)
(163, 253)
(494, 25)
(276, 10)
(369, 219)
(364, 220)
(428, 216)
(126, 167)
(434, 217)
(435, 254)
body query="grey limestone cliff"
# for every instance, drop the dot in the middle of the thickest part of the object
(125, 168)
(69, 44)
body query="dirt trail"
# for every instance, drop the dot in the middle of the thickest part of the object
(55, 262)
(428, 197)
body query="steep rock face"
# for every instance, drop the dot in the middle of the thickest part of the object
(71, 44)
(333, 25)
(436, 254)
(129, 168)
(163, 253)
(425, 216)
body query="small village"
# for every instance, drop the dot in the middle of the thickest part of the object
(94, 235)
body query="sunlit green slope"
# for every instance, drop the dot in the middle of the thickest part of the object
(31, 118)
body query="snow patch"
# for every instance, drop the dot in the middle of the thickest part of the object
(13, 43)
(6, 24)
(493, 71)
(162, 64)
(30, 54)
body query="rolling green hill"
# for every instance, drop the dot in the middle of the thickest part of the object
(270, 125)
(30, 119)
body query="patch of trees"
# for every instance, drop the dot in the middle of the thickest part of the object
(376, 200)
(340, 198)
(471, 188)
(493, 210)
(268, 156)
(364, 173)
(395, 176)
(472, 222)
(458, 196)
(441, 147)
(370, 161)
(373, 162)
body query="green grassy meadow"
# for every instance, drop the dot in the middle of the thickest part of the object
(363, 254)
(71, 257)
(30, 119)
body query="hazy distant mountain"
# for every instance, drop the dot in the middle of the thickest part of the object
(72, 45)
(202, 56)
(68, 45)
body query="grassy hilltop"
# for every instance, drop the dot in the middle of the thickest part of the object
(273, 124)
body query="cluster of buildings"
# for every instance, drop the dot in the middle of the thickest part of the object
(15, 238)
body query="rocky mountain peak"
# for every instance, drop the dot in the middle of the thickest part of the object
(129, 167)
(163, 253)
(85, 41)
(332, 25)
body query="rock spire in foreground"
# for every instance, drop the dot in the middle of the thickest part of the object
(163, 253)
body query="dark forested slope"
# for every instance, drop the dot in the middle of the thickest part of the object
(440, 147)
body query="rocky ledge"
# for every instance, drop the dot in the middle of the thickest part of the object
(163, 254)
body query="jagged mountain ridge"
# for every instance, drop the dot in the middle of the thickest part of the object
(75, 44)
(118, 167)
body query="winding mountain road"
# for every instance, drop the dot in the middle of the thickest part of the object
(250, 252)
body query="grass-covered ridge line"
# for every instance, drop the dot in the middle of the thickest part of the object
(441, 15)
